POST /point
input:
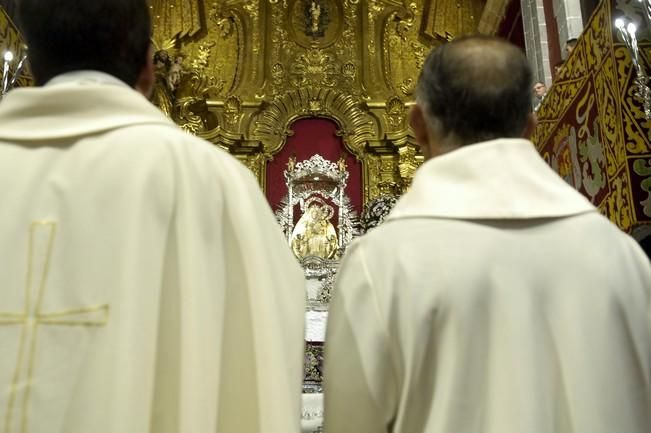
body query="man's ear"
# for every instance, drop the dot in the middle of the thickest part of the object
(419, 126)
(145, 83)
(530, 127)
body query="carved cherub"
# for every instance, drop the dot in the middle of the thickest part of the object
(291, 163)
(341, 163)
(174, 73)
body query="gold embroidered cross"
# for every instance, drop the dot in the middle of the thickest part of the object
(41, 241)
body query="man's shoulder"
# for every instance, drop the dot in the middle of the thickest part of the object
(175, 141)
(385, 238)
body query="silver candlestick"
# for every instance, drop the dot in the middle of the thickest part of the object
(647, 10)
(642, 91)
(9, 78)
(8, 58)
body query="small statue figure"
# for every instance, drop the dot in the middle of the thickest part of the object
(314, 235)
(162, 97)
(162, 60)
(341, 163)
(291, 163)
(315, 11)
(174, 74)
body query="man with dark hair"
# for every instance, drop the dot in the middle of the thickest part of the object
(570, 45)
(494, 298)
(472, 103)
(111, 37)
(146, 286)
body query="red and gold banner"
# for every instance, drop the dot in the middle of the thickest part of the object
(592, 129)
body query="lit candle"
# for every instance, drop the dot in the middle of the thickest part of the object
(619, 23)
(631, 29)
(8, 58)
(627, 32)
(18, 70)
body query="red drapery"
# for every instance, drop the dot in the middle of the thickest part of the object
(312, 136)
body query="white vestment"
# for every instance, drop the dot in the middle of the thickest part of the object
(145, 284)
(495, 299)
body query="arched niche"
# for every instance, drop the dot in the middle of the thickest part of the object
(309, 136)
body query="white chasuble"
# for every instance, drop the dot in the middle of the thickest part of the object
(494, 299)
(145, 284)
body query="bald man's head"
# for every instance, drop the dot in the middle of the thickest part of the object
(476, 88)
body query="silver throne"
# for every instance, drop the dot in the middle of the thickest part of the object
(318, 221)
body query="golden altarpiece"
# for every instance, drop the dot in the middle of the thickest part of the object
(240, 73)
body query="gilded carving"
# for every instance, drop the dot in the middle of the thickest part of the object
(374, 9)
(349, 71)
(252, 67)
(227, 42)
(372, 171)
(278, 74)
(175, 19)
(348, 43)
(256, 163)
(189, 115)
(270, 126)
(408, 162)
(395, 114)
(315, 67)
(232, 112)
(444, 20)
(403, 54)
(315, 23)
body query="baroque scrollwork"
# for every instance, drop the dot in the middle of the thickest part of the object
(408, 162)
(395, 114)
(315, 67)
(271, 125)
(402, 53)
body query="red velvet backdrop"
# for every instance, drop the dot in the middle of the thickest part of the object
(312, 136)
